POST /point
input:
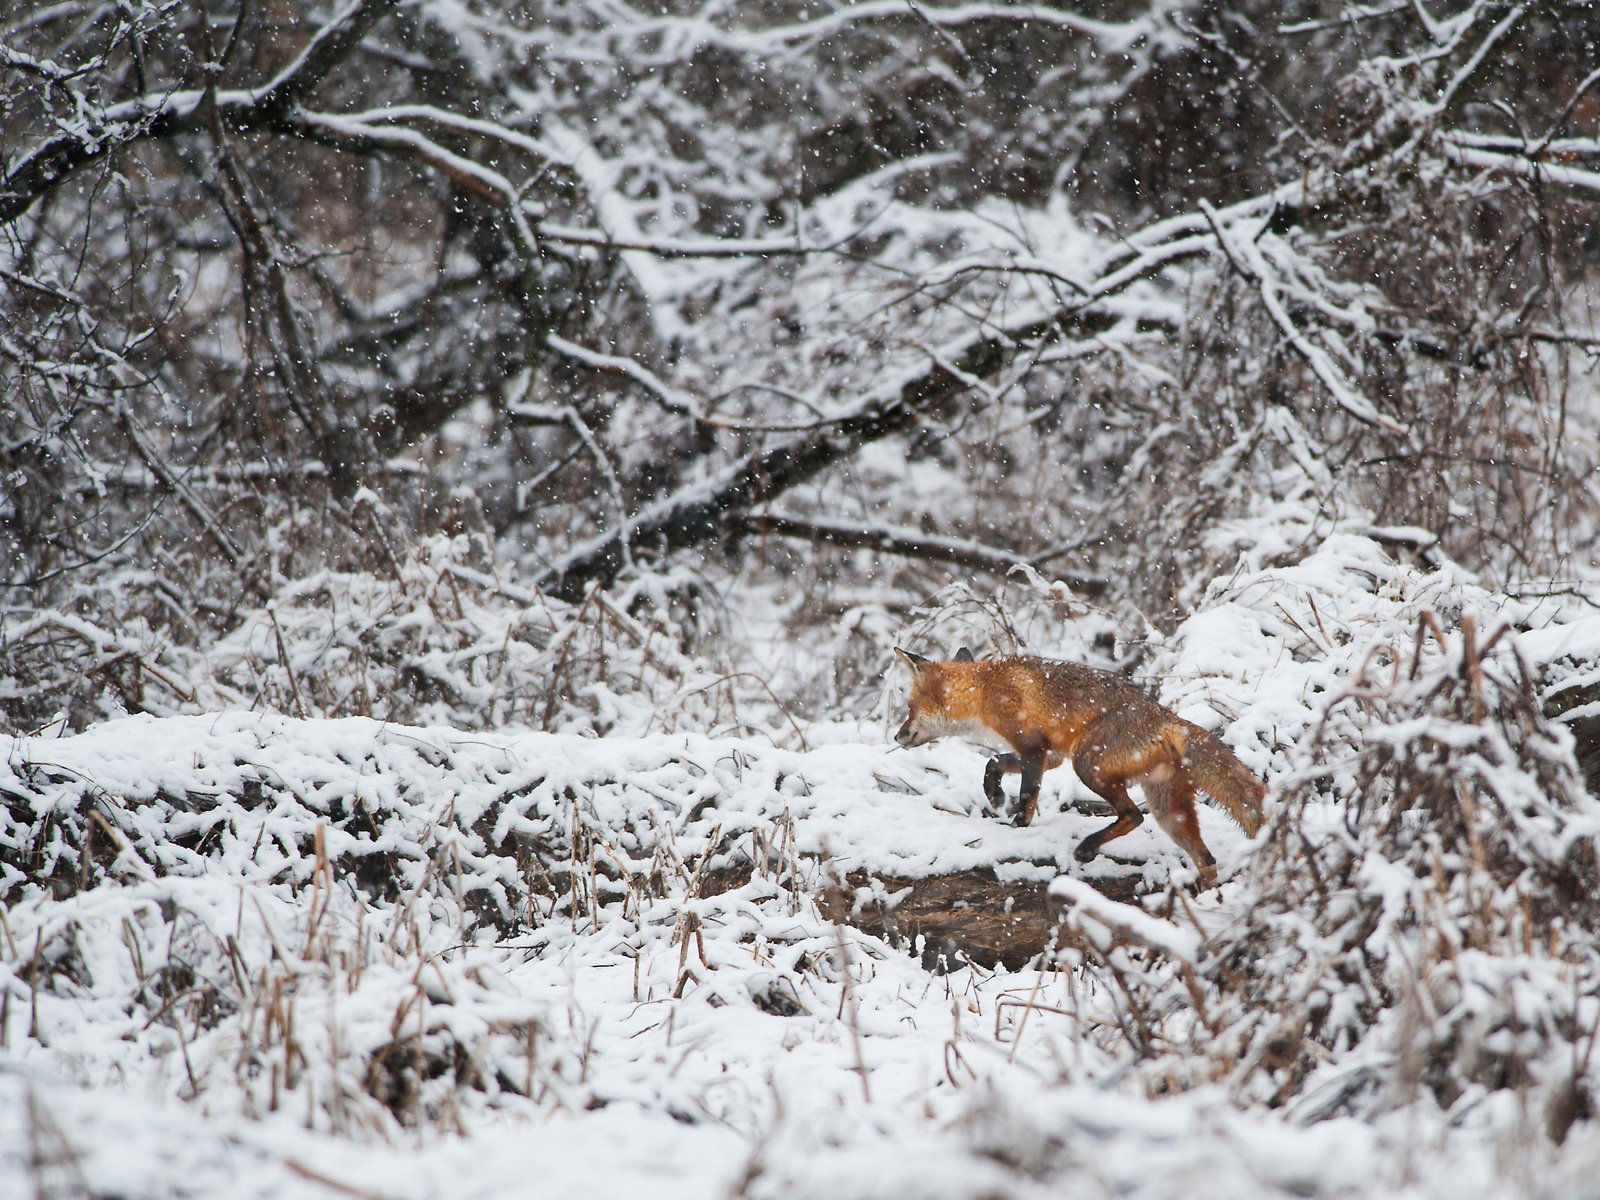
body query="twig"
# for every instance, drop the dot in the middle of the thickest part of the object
(169, 480)
(327, 1181)
(288, 667)
(847, 1001)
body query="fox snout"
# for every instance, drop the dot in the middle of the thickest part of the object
(910, 736)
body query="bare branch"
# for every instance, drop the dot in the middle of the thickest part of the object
(909, 543)
(674, 400)
(700, 511)
(171, 481)
(179, 111)
(332, 45)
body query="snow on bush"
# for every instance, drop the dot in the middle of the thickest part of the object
(430, 634)
(1418, 914)
(321, 915)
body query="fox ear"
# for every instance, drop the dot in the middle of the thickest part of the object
(963, 655)
(915, 661)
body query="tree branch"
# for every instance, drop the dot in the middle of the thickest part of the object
(173, 483)
(1245, 256)
(910, 543)
(183, 111)
(335, 42)
(701, 511)
(705, 510)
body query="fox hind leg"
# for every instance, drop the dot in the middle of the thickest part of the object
(1169, 795)
(1109, 786)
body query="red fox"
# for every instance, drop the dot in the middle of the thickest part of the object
(1040, 713)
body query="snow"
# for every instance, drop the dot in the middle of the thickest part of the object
(1086, 904)
(314, 955)
(413, 880)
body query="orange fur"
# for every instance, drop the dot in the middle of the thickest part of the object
(1041, 713)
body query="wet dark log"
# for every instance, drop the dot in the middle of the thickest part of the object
(969, 916)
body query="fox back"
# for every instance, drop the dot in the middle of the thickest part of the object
(1016, 702)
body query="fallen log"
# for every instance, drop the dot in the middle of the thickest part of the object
(969, 916)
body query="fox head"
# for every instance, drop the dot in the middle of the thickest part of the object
(930, 715)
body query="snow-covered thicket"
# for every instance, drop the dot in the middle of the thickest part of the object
(1417, 918)
(290, 939)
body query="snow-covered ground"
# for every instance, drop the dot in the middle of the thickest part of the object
(243, 954)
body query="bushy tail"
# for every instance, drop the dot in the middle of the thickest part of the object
(1220, 775)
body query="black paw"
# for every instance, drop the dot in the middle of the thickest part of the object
(1085, 851)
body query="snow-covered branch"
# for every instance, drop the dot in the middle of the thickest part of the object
(1529, 160)
(1245, 253)
(102, 130)
(910, 543)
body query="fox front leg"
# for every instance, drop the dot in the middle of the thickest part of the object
(1032, 768)
(1028, 794)
(999, 766)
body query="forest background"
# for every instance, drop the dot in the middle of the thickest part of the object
(619, 371)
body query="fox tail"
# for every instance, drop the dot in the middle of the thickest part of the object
(1218, 773)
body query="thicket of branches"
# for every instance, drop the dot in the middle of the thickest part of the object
(682, 293)
(1420, 914)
